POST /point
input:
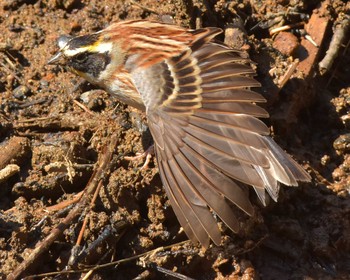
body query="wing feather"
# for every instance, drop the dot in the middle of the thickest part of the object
(198, 215)
(209, 141)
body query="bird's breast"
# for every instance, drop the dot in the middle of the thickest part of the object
(126, 93)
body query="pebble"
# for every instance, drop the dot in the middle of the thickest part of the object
(21, 92)
(286, 43)
(92, 99)
(44, 83)
(342, 143)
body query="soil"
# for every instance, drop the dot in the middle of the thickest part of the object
(56, 132)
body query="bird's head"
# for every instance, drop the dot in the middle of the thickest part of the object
(89, 56)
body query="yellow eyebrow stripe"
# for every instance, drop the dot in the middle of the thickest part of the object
(97, 47)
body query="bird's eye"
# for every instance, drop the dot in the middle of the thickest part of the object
(81, 57)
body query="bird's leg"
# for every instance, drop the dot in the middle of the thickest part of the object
(146, 154)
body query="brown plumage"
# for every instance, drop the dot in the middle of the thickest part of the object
(201, 112)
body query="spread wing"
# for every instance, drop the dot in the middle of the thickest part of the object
(208, 138)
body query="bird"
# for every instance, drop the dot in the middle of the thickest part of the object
(210, 143)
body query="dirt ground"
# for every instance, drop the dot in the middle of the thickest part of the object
(60, 136)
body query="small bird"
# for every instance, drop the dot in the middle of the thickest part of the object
(201, 111)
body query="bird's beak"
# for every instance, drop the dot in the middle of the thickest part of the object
(56, 58)
(62, 41)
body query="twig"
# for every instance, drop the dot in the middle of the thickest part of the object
(60, 166)
(15, 149)
(285, 27)
(65, 203)
(114, 231)
(82, 106)
(144, 7)
(10, 71)
(44, 245)
(256, 245)
(312, 41)
(97, 267)
(173, 274)
(338, 38)
(37, 119)
(81, 233)
(8, 172)
(285, 78)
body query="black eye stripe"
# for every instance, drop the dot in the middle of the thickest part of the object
(92, 63)
(81, 57)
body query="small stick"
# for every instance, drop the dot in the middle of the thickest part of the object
(14, 149)
(144, 7)
(8, 171)
(173, 274)
(312, 41)
(285, 27)
(82, 106)
(37, 119)
(115, 263)
(285, 78)
(10, 71)
(81, 233)
(60, 166)
(93, 200)
(340, 34)
(44, 245)
(115, 231)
